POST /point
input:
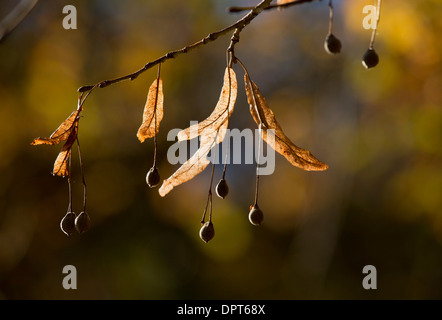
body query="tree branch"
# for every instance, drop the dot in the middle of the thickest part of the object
(237, 26)
(270, 7)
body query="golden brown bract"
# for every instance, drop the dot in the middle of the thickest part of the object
(265, 118)
(67, 131)
(212, 131)
(153, 111)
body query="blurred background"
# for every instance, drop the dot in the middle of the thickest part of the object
(379, 130)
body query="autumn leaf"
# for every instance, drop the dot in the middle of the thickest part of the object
(272, 132)
(67, 131)
(195, 165)
(212, 131)
(60, 165)
(62, 133)
(220, 114)
(152, 109)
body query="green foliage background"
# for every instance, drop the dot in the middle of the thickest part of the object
(379, 130)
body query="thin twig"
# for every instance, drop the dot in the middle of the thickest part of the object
(70, 183)
(378, 18)
(262, 124)
(82, 99)
(240, 24)
(330, 24)
(270, 7)
(230, 57)
(155, 117)
(257, 164)
(82, 174)
(203, 219)
(209, 196)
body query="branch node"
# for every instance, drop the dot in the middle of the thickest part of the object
(85, 89)
(103, 84)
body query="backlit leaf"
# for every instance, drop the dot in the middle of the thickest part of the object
(61, 134)
(67, 131)
(152, 109)
(220, 114)
(212, 131)
(60, 165)
(272, 132)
